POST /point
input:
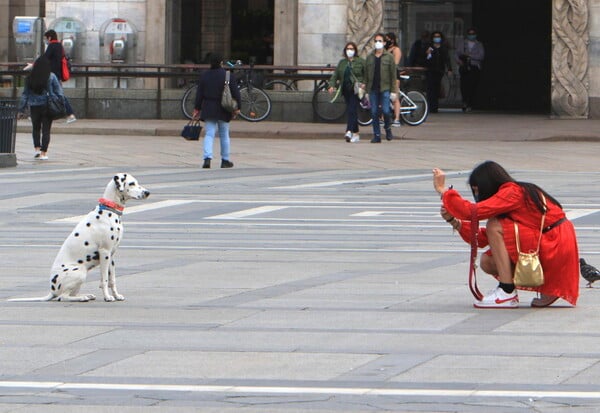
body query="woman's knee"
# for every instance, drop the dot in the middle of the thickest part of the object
(488, 265)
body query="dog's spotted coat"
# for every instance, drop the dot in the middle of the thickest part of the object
(92, 243)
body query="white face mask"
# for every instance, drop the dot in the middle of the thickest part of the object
(379, 45)
(350, 52)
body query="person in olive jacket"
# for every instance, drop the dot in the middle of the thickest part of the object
(349, 71)
(380, 81)
(208, 108)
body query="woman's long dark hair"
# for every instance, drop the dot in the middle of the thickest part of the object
(489, 176)
(40, 73)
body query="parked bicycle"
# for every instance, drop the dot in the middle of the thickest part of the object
(413, 108)
(256, 104)
(282, 85)
(329, 107)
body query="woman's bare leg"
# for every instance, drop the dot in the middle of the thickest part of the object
(501, 260)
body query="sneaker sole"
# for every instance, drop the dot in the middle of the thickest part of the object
(506, 306)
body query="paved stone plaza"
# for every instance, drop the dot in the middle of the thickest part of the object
(314, 276)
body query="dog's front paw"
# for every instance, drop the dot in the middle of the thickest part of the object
(119, 297)
(109, 298)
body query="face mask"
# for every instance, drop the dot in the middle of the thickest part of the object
(471, 37)
(437, 40)
(388, 44)
(350, 52)
(378, 45)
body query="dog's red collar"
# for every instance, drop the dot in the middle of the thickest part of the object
(111, 204)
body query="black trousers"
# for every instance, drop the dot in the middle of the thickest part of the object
(352, 103)
(434, 86)
(469, 79)
(41, 124)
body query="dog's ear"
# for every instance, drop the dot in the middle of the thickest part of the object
(120, 181)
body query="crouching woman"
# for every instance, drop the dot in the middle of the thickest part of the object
(502, 201)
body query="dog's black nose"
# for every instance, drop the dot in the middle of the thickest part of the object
(146, 194)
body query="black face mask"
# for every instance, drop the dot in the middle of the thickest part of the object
(388, 43)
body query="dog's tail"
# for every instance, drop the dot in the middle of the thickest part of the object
(49, 297)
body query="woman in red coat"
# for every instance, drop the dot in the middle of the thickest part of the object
(502, 201)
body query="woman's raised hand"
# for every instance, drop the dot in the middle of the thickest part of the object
(439, 180)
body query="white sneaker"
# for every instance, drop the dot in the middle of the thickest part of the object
(497, 298)
(43, 157)
(37, 154)
(71, 118)
(348, 136)
(396, 124)
(355, 138)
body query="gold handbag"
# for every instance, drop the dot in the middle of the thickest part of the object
(528, 269)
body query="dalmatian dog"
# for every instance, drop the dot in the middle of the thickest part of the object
(93, 243)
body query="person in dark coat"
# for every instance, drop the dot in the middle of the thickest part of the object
(438, 64)
(55, 52)
(208, 109)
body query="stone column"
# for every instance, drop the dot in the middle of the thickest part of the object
(570, 84)
(155, 33)
(285, 45)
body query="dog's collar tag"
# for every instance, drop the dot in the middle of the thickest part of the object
(111, 206)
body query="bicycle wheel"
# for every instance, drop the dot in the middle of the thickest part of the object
(364, 116)
(323, 107)
(188, 101)
(280, 85)
(256, 104)
(414, 108)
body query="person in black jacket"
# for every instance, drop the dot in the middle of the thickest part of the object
(55, 52)
(437, 63)
(208, 108)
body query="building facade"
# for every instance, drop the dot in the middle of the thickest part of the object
(548, 64)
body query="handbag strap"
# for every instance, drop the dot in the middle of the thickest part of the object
(541, 228)
(472, 264)
(227, 77)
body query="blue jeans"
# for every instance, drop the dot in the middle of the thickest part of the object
(210, 127)
(68, 107)
(378, 99)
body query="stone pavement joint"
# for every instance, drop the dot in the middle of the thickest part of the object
(441, 126)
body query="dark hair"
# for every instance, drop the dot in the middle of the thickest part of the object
(379, 35)
(472, 29)
(437, 32)
(393, 38)
(51, 34)
(353, 45)
(215, 60)
(489, 176)
(40, 73)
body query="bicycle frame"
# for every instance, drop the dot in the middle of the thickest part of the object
(406, 109)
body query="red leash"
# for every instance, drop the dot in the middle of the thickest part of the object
(473, 265)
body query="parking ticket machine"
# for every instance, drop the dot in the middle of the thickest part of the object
(29, 37)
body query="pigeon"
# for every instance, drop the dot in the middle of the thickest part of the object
(589, 272)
